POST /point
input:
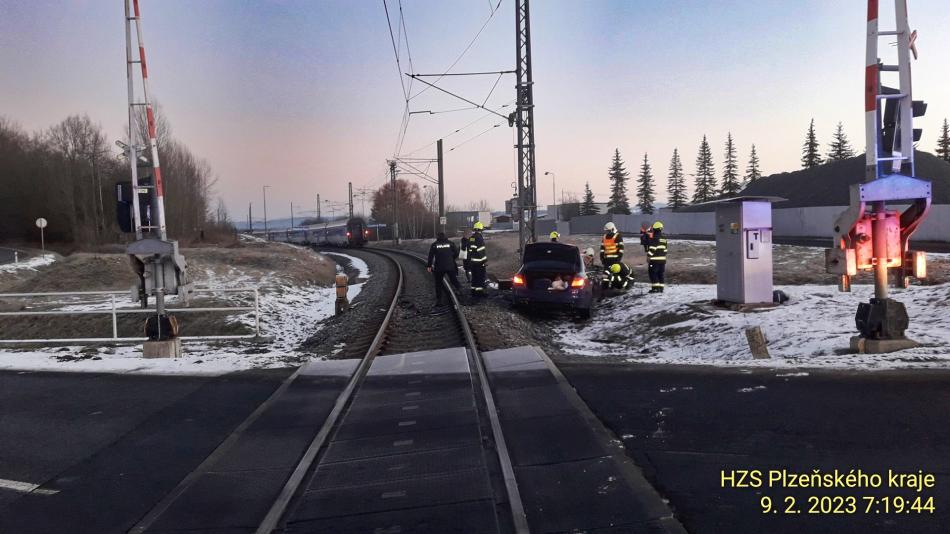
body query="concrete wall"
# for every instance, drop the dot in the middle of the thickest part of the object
(789, 222)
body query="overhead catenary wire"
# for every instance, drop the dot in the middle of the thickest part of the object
(457, 130)
(446, 91)
(476, 136)
(465, 50)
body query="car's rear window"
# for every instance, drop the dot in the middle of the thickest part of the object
(551, 252)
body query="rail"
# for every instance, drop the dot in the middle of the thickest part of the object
(114, 311)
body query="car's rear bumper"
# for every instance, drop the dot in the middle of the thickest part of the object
(573, 298)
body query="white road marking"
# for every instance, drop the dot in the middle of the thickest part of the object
(25, 487)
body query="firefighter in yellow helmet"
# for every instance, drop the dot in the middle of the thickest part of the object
(619, 276)
(611, 246)
(478, 259)
(554, 236)
(656, 258)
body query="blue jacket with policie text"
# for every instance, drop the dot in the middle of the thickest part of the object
(442, 256)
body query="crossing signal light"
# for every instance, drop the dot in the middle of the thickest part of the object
(890, 119)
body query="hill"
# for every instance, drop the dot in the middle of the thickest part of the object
(828, 184)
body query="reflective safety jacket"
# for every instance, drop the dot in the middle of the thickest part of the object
(442, 255)
(621, 280)
(611, 248)
(656, 248)
(476, 249)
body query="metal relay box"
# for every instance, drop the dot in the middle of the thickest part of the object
(744, 250)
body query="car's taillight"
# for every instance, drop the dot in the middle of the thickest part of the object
(517, 280)
(365, 232)
(349, 234)
(578, 282)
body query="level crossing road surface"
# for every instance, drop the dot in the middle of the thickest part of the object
(684, 425)
(413, 452)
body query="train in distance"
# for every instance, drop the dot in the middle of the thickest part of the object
(352, 232)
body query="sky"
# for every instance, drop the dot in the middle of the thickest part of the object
(305, 96)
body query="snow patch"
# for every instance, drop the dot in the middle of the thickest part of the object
(31, 264)
(681, 326)
(750, 390)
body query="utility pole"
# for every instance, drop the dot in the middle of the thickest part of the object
(291, 214)
(319, 218)
(250, 221)
(395, 199)
(441, 185)
(264, 189)
(351, 199)
(523, 119)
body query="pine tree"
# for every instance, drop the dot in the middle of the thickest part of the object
(752, 172)
(645, 194)
(618, 202)
(588, 207)
(840, 147)
(810, 156)
(705, 177)
(730, 169)
(943, 144)
(676, 183)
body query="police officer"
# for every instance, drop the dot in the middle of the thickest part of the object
(656, 258)
(463, 252)
(478, 259)
(442, 256)
(619, 276)
(554, 236)
(611, 246)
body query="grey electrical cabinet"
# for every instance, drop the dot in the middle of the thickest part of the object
(744, 249)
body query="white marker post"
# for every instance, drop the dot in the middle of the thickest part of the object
(41, 224)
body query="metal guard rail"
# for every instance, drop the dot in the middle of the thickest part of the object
(114, 311)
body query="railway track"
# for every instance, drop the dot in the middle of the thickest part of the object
(407, 326)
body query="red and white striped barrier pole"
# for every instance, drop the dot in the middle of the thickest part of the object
(159, 214)
(871, 90)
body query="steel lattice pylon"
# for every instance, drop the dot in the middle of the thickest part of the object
(524, 121)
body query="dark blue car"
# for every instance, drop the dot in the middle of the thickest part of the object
(553, 275)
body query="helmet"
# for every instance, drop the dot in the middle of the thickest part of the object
(589, 251)
(478, 225)
(615, 268)
(610, 227)
(657, 225)
(555, 235)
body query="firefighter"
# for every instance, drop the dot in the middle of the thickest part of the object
(619, 276)
(656, 258)
(611, 246)
(554, 236)
(442, 256)
(478, 259)
(463, 253)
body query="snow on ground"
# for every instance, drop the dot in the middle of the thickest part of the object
(289, 314)
(680, 326)
(31, 264)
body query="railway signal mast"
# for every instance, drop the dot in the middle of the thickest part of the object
(869, 236)
(155, 259)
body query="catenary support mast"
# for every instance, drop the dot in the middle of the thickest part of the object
(523, 120)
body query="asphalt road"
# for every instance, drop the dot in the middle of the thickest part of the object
(104, 449)
(685, 425)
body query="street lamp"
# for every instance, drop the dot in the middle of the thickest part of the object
(264, 189)
(553, 192)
